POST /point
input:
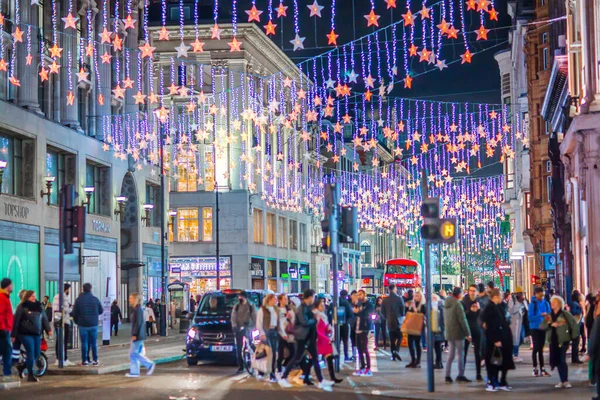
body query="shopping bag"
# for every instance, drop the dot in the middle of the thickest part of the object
(435, 321)
(496, 358)
(413, 324)
(263, 364)
(154, 330)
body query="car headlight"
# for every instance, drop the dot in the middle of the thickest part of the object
(192, 333)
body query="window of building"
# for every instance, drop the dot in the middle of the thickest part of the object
(187, 225)
(303, 237)
(282, 232)
(549, 187)
(98, 177)
(259, 232)
(365, 250)
(509, 173)
(544, 37)
(547, 127)
(293, 234)
(505, 84)
(187, 174)
(207, 224)
(18, 173)
(175, 11)
(153, 197)
(209, 171)
(545, 58)
(61, 166)
(548, 166)
(271, 230)
(527, 208)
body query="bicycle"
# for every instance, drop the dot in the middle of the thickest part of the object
(40, 366)
(248, 348)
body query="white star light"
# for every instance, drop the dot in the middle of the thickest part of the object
(395, 70)
(330, 82)
(298, 42)
(182, 50)
(441, 64)
(315, 9)
(352, 76)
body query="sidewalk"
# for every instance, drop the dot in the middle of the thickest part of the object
(394, 380)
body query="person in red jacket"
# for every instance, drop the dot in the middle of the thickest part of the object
(6, 325)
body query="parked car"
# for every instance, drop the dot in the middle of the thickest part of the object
(210, 337)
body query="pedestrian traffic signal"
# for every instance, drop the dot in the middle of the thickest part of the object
(436, 229)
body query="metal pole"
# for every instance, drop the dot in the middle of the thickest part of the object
(61, 277)
(428, 289)
(217, 237)
(460, 245)
(163, 311)
(440, 264)
(334, 246)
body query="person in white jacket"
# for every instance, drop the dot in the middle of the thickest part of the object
(149, 318)
(517, 308)
(65, 323)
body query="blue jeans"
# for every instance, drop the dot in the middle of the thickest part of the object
(89, 338)
(32, 349)
(516, 351)
(136, 358)
(6, 352)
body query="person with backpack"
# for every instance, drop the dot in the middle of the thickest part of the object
(457, 334)
(538, 310)
(561, 328)
(243, 317)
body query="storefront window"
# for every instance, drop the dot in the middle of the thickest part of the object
(98, 177)
(303, 237)
(259, 232)
(271, 230)
(188, 174)
(272, 268)
(207, 224)
(187, 225)
(283, 237)
(294, 234)
(209, 171)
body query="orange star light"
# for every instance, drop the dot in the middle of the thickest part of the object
(234, 45)
(55, 51)
(412, 50)
(14, 81)
(54, 67)
(482, 33)
(483, 5)
(424, 13)
(425, 55)
(128, 83)
(471, 5)
(43, 74)
(372, 19)
(70, 21)
(253, 14)
(129, 22)
(101, 99)
(89, 50)
(163, 34)
(197, 46)
(408, 18)
(443, 26)
(70, 99)
(493, 14)
(139, 97)
(452, 33)
(215, 32)
(270, 28)
(281, 11)
(3, 65)
(147, 50)
(466, 57)
(408, 82)
(18, 35)
(368, 95)
(117, 43)
(105, 36)
(105, 58)
(332, 38)
(391, 4)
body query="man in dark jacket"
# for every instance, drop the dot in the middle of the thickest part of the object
(394, 310)
(138, 334)
(345, 327)
(363, 311)
(457, 330)
(305, 334)
(243, 317)
(86, 312)
(472, 310)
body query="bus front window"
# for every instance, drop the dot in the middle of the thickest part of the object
(401, 269)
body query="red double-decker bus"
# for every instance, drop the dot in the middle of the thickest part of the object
(402, 272)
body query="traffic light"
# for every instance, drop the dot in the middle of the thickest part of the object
(436, 229)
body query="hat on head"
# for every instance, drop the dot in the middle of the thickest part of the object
(6, 282)
(518, 289)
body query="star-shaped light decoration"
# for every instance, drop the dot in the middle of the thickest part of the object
(493, 114)
(424, 55)
(139, 97)
(117, 43)
(352, 76)
(253, 14)
(493, 14)
(408, 18)
(270, 28)
(147, 50)
(173, 89)
(70, 98)
(441, 64)
(390, 4)
(408, 82)
(234, 45)
(89, 49)
(412, 50)
(163, 33)
(298, 42)
(281, 11)
(13, 79)
(28, 59)
(128, 83)
(106, 58)
(43, 73)
(471, 5)
(452, 33)
(483, 5)
(443, 26)
(18, 35)
(101, 99)
(129, 22)
(215, 32)
(332, 38)
(55, 51)
(329, 83)
(466, 57)
(54, 67)
(82, 75)
(482, 33)
(182, 50)
(368, 95)
(105, 36)
(424, 12)
(372, 19)
(315, 9)
(70, 21)
(197, 46)
(369, 81)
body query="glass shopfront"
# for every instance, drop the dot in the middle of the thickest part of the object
(20, 261)
(257, 270)
(201, 273)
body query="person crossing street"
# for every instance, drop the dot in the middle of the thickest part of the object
(393, 308)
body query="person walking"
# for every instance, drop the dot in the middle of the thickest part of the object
(561, 328)
(438, 331)
(149, 318)
(362, 312)
(379, 324)
(539, 308)
(472, 308)
(286, 333)
(576, 309)
(345, 325)
(324, 343)
(457, 334)
(65, 323)
(47, 307)
(267, 323)
(417, 305)
(6, 326)
(305, 334)
(353, 303)
(590, 311)
(593, 354)
(517, 309)
(498, 343)
(394, 309)
(243, 318)
(86, 313)
(115, 317)
(157, 313)
(483, 296)
(29, 323)
(138, 335)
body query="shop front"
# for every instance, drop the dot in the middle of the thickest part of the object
(71, 265)
(293, 271)
(272, 274)
(304, 275)
(257, 271)
(20, 257)
(99, 266)
(152, 272)
(201, 273)
(285, 277)
(320, 266)
(372, 280)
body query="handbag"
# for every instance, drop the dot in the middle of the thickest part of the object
(496, 358)
(261, 352)
(31, 323)
(413, 324)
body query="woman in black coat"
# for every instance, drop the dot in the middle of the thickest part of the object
(594, 352)
(498, 340)
(29, 323)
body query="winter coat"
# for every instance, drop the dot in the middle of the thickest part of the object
(149, 313)
(441, 335)
(594, 348)
(115, 314)
(472, 316)
(393, 309)
(517, 311)
(286, 317)
(455, 320)
(67, 308)
(363, 316)
(243, 316)
(87, 310)
(138, 328)
(567, 331)
(305, 323)
(6, 314)
(30, 320)
(535, 311)
(497, 329)
(345, 304)
(324, 329)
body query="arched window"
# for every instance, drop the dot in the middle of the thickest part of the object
(365, 250)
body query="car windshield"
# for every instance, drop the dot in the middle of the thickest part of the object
(401, 269)
(217, 304)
